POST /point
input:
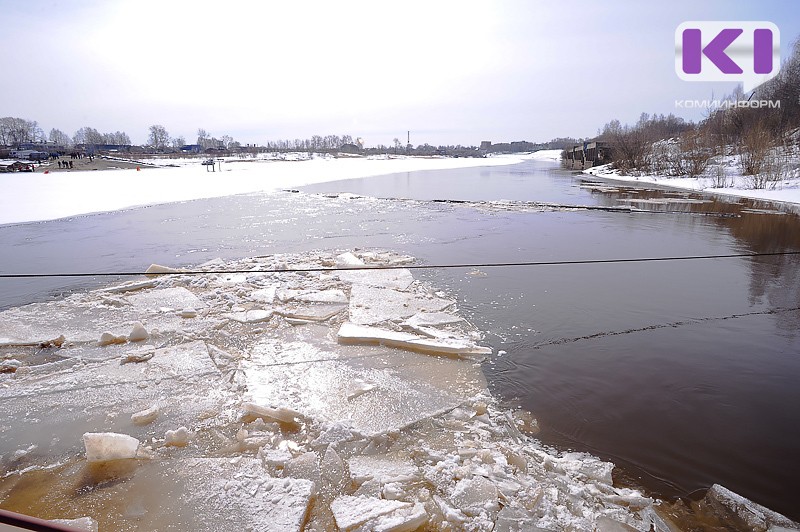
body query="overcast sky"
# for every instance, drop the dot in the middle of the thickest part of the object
(452, 72)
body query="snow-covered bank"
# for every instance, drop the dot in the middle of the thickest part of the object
(32, 197)
(735, 184)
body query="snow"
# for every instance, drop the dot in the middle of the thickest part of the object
(29, 197)
(787, 190)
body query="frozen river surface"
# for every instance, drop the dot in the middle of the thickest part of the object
(683, 373)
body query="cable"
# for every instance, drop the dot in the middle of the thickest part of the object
(401, 267)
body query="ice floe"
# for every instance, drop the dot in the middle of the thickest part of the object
(286, 400)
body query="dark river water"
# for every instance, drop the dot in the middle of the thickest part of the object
(684, 373)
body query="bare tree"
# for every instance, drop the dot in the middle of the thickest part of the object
(89, 136)
(202, 137)
(159, 137)
(16, 130)
(59, 138)
(178, 142)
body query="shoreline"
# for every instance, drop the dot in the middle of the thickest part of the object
(38, 197)
(788, 198)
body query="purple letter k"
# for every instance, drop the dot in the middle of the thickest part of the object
(715, 51)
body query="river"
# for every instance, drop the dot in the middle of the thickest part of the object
(681, 372)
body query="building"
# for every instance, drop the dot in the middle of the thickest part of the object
(586, 155)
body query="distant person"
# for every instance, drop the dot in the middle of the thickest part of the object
(70, 165)
(59, 164)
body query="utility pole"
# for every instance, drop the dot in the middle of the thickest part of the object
(408, 141)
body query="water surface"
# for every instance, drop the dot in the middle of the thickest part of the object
(684, 373)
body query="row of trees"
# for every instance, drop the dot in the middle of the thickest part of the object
(17, 130)
(315, 143)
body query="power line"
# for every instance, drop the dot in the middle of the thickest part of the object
(402, 267)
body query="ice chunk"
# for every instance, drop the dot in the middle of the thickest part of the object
(385, 470)
(333, 473)
(512, 519)
(311, 313)
(132, 286)
(108, 338)
(432, 319)
(351, 512)
(275, 457)
(348, 259)
(350, 333)
(138, 333)
(313, 296)
(284, 415)
(103, 446)
(606, 524)
(370, 305)
(401, 520)
(304, 466)
(264, 295)
(81, 523)
(476, 495)
(735, 508)
(177, 438)
(593, 468)
(250, 316)
(173, 298)
(188, 312)
(145, 417)
(397, 279)
(241, 496)
(156, 269)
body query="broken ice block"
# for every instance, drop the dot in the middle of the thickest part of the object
(476, 495)
(156, 269)
(250, 316)
(351, 512)
(103, 446)
(732, 507)
(177, 438)
(138, 333)
(305, 466)
(145, 417)
(108, 339)
(348, 259)
(283, 415)
(350, 333)
(370, 305)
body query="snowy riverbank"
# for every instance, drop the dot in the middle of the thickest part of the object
(29, 197)
(729, 181)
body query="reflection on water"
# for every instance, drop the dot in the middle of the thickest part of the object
(682, 372)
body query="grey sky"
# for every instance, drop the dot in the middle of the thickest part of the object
(450, 71)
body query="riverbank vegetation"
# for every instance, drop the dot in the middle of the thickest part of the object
(759, 135)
